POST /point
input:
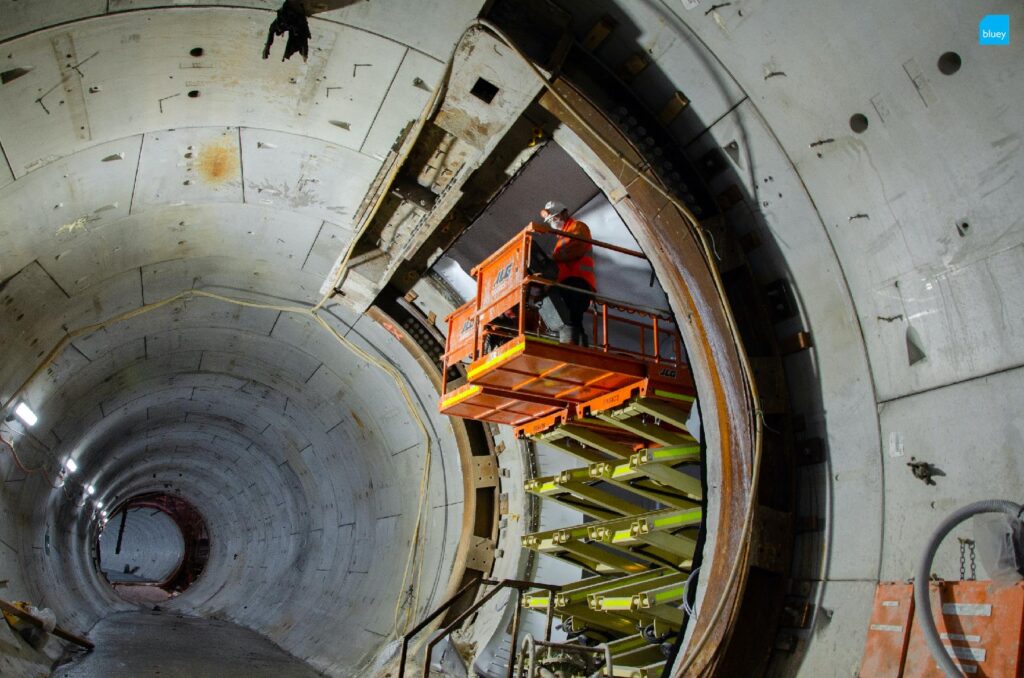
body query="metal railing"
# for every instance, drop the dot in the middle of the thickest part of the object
(516, 584)
(528, 655)
(507, 289)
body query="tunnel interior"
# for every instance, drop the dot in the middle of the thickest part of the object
(224, 284)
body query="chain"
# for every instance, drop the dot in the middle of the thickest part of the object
(966, 544)
(974, 570)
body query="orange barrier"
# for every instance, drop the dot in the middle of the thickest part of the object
(980, 625)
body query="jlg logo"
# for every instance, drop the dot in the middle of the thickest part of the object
(668, 372)
(502, 277)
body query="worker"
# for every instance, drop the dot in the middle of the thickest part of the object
(575, 261)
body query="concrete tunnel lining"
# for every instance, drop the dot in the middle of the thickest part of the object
(217, 400)
(182, 405)
(278, 433)
(842, 221)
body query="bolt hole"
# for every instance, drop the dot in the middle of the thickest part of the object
(484, 90)
(193, 94)
(196, 51)
(949, 63)
(858, 122)
(963, 228)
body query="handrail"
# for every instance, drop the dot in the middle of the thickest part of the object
(600, 243)
(530, 232)
(517, 584)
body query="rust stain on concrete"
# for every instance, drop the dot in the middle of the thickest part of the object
(217, 163)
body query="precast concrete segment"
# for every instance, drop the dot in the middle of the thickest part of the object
(169, 645)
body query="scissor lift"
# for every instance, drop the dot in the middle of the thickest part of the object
(621, 406)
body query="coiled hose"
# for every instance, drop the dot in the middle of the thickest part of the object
(922, 604)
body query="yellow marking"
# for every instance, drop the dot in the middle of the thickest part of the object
(518, 348)
(613, 603)
(459, 397)
(674, 396)
(679, 519)
(663, 454)
(621, 536)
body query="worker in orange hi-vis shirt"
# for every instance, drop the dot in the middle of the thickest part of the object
(575, 261)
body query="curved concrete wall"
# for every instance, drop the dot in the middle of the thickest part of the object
(152, 547)
(868, 227)
(303, 457)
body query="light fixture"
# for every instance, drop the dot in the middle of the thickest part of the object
(99, 504)
(26, 414)
(71, 465)
(90, 490)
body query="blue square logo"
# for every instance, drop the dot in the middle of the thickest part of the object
(994, 30)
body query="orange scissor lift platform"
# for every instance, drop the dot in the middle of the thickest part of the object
(622, 406)
(531, 381)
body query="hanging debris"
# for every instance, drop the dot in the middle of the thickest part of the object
(291, 19)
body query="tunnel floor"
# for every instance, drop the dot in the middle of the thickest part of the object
(143, 644)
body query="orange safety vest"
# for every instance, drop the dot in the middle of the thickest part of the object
(582, 267)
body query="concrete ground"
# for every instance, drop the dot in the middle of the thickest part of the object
(144, 594)
(165, 644)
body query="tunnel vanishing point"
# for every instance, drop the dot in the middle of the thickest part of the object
(243, 436)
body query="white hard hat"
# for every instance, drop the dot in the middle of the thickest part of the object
(555, 207)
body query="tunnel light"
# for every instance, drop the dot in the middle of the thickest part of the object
(90, 490)
(103, 513)
(71, 465)
(99, 505)
(26, 414)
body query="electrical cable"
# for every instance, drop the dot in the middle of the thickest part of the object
(17, 461)
(30, 471)
(686, 595)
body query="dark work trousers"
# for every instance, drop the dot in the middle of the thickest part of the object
(577, 304)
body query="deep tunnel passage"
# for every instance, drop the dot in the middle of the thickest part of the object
(152, 546)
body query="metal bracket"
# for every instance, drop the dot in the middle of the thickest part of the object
(485, 472)
(481, 554)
